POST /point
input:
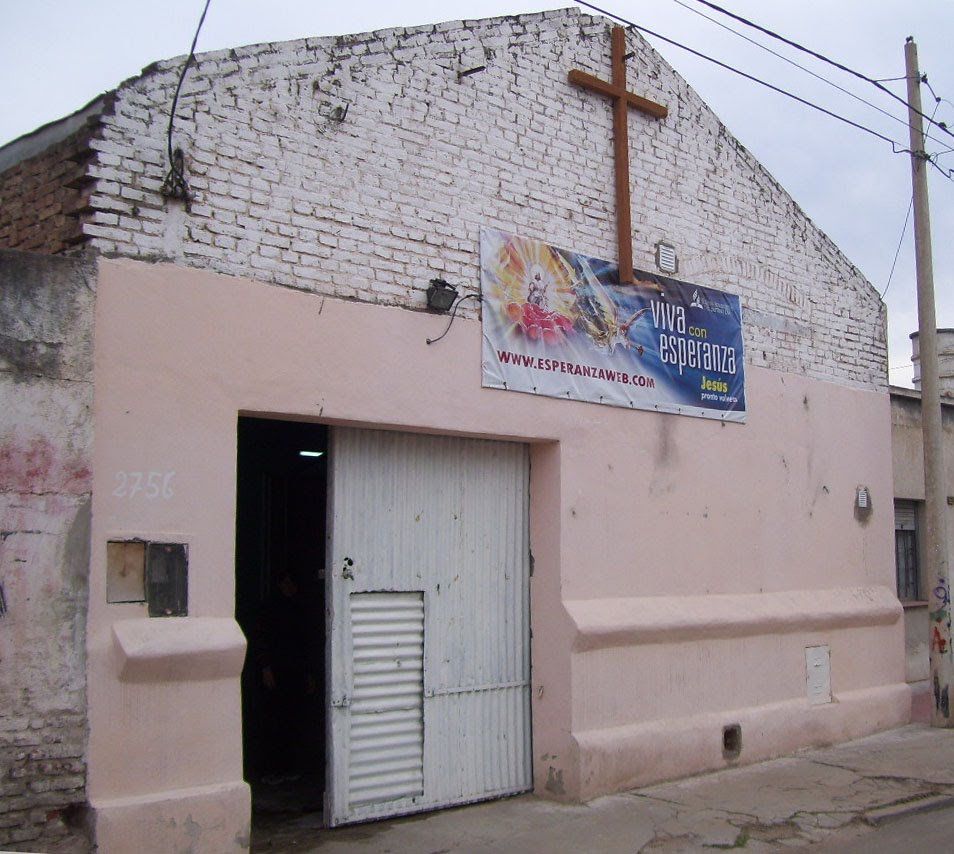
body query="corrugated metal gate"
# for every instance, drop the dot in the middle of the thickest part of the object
(430, 642)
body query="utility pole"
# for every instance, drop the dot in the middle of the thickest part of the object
(935, 492)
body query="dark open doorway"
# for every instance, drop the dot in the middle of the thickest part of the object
(280, 605)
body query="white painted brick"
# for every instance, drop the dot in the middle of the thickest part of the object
(423, 160)
(109, 232)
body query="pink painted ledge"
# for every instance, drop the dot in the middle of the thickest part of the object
(603, 623)
(165, 649)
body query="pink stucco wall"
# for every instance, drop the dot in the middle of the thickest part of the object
(681, 565)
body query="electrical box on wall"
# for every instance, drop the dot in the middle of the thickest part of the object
(156, 574)
(167, 579)
(125, 571)
(818, 674)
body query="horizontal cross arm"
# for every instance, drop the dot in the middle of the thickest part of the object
(594, 84)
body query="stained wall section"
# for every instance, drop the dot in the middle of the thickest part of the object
(46, 446)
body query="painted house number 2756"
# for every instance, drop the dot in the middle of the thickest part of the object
(145, 484)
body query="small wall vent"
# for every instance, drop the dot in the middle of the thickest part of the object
(666, 258)
(731, 741)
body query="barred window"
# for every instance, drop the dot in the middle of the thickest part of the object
(906, 561)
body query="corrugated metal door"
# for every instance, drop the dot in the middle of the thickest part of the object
(429, 653)
(905, 515)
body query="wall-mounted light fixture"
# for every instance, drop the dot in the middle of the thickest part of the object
(863, 504)
(440, 295)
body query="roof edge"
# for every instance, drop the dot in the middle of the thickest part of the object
(39, 140)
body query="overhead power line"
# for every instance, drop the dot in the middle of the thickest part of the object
(897, 251)
(823, 58)
(904, 228)
(777, 55)
(784, 58)
(947, 173)
(896, 147)
(175, 185)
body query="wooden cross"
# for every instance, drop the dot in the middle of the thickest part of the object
(622, 100)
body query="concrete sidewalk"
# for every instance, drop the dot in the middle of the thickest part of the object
(806, 799)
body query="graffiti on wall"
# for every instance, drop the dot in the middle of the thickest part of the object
(940, 631)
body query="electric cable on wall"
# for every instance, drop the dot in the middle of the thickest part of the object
(175, 185)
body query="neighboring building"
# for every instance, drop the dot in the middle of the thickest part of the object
(914, 586)
(507, 591)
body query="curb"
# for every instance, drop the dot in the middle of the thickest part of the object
(883, 815)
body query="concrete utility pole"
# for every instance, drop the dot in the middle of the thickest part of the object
(935, 492)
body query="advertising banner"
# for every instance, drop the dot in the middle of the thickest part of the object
(559, 324)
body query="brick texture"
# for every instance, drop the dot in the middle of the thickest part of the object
(44, 198)
(46, 315)
(360, 167)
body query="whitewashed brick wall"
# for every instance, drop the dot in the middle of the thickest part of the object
(373, 205)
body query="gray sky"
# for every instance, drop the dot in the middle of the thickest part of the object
(55, 56)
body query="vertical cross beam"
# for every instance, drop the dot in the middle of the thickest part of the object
(622, 101)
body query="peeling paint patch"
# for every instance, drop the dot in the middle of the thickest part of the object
(46, 322)
(35, 465)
